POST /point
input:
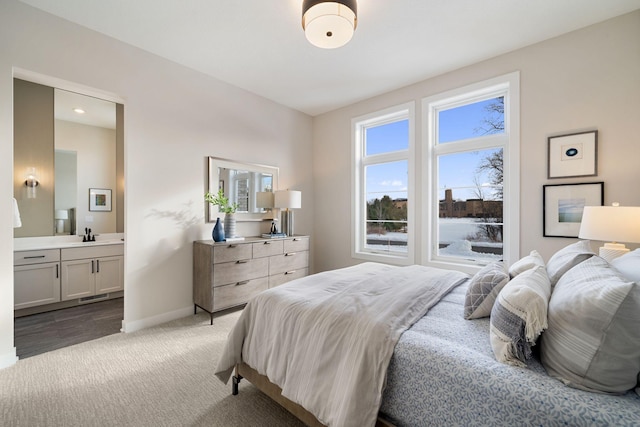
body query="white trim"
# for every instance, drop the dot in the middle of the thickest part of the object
(388, 115)
(158, 319)
(508, 85)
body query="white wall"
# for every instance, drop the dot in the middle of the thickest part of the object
(588, 79)
(174, 118)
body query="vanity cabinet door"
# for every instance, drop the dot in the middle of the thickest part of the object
(36, 284)
(109, 274)
(78, 279)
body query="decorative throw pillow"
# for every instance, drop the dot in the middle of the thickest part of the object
(566, 258)
(519, 315)
(526, 263)
(629, 265)
(593, 339)
(483, 290)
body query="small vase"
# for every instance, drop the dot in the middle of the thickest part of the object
(218, 232)
(230, 225)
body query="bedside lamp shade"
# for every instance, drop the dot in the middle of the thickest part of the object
(287, 200)
(613, 224)
(265, 199)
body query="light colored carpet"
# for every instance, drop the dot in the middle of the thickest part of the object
(161, 376)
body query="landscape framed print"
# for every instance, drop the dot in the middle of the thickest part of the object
(573, 155)
(563, 206)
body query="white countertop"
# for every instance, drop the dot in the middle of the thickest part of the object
(56, 242)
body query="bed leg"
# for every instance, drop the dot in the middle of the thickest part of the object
(235, 383)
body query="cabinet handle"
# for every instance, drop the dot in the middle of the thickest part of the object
(242, 261)
(57, 271)
(290, 254)
(92, 270)
(295, 239)
(289, 272)
(244, 282)
(98, 266)
(34, 257)
(267, 243)
(232, 246)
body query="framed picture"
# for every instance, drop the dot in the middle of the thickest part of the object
(99, 200)
(573, 155)
(563, 206)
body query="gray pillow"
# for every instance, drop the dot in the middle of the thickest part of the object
(629, 265)
(566, 258)
(593, 339)
(519, 315)
(483, 290)
(526, 263)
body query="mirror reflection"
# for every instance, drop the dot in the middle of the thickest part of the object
(241, 183)
(74, 142)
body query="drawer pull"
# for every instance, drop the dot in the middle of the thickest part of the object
(267, 243)
(290, 254)
(242, 261)
(34, 257)
(232, 246)
(295, 239)
(289, 272)
(244, 282)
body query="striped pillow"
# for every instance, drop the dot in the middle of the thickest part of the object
(534, 259)
(519, 316)
(566, 258)
(593, 340)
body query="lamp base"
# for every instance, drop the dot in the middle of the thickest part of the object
(287, 222)
(60, 226)
(611, 251)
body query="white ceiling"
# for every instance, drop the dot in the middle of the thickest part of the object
(97, 112)
(259, 45)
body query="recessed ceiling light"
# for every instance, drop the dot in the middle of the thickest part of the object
(78, 110)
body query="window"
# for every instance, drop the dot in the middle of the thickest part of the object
(383, 185)
(471, 164)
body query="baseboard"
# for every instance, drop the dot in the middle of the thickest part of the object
(8, 359)
(136, 325)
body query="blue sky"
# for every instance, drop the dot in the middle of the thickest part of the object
(455, 170)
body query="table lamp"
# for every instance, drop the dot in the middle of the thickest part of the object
(60, 216)
(287, 200)
(613, 224)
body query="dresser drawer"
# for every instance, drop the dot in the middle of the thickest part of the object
(287, 276)
(268, 248)
(239, 271)
(232, 252)
(236, 294)
(36, 257)
(296, 244)
(287, 262)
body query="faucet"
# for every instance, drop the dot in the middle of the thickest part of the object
(87, 236)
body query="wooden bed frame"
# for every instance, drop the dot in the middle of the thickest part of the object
(262, 383)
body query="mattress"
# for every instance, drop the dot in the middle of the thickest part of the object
(443, 372)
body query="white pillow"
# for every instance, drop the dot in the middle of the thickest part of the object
(566, 258)
(629, 265)
(526, 263)
(593, 339)
(519, 315)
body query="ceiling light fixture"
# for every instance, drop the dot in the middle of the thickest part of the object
(78, 110)
(329, 24)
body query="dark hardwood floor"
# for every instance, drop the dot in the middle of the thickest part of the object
(39, 333)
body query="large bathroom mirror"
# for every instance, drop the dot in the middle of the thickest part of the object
(241, 183)
(71, 146)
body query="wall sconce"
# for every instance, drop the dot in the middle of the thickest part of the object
(329, 24)
(60, 216)
(288, 200)
(31, 182)
(611, 223)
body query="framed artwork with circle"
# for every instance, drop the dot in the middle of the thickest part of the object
(573, 155)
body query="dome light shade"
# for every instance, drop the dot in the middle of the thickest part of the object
(329, 24)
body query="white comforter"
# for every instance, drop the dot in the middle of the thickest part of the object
(326, 339)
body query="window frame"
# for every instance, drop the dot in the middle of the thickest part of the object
(509, 87)
(359, 162)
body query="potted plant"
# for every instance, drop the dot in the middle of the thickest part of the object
(229, 210)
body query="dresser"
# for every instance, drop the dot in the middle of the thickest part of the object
(226, 275)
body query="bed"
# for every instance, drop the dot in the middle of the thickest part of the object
(442, 371)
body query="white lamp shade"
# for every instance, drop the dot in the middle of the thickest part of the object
(264, 199)
(288, 199)
(611, 224)
(329, 24)
(62, 214)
